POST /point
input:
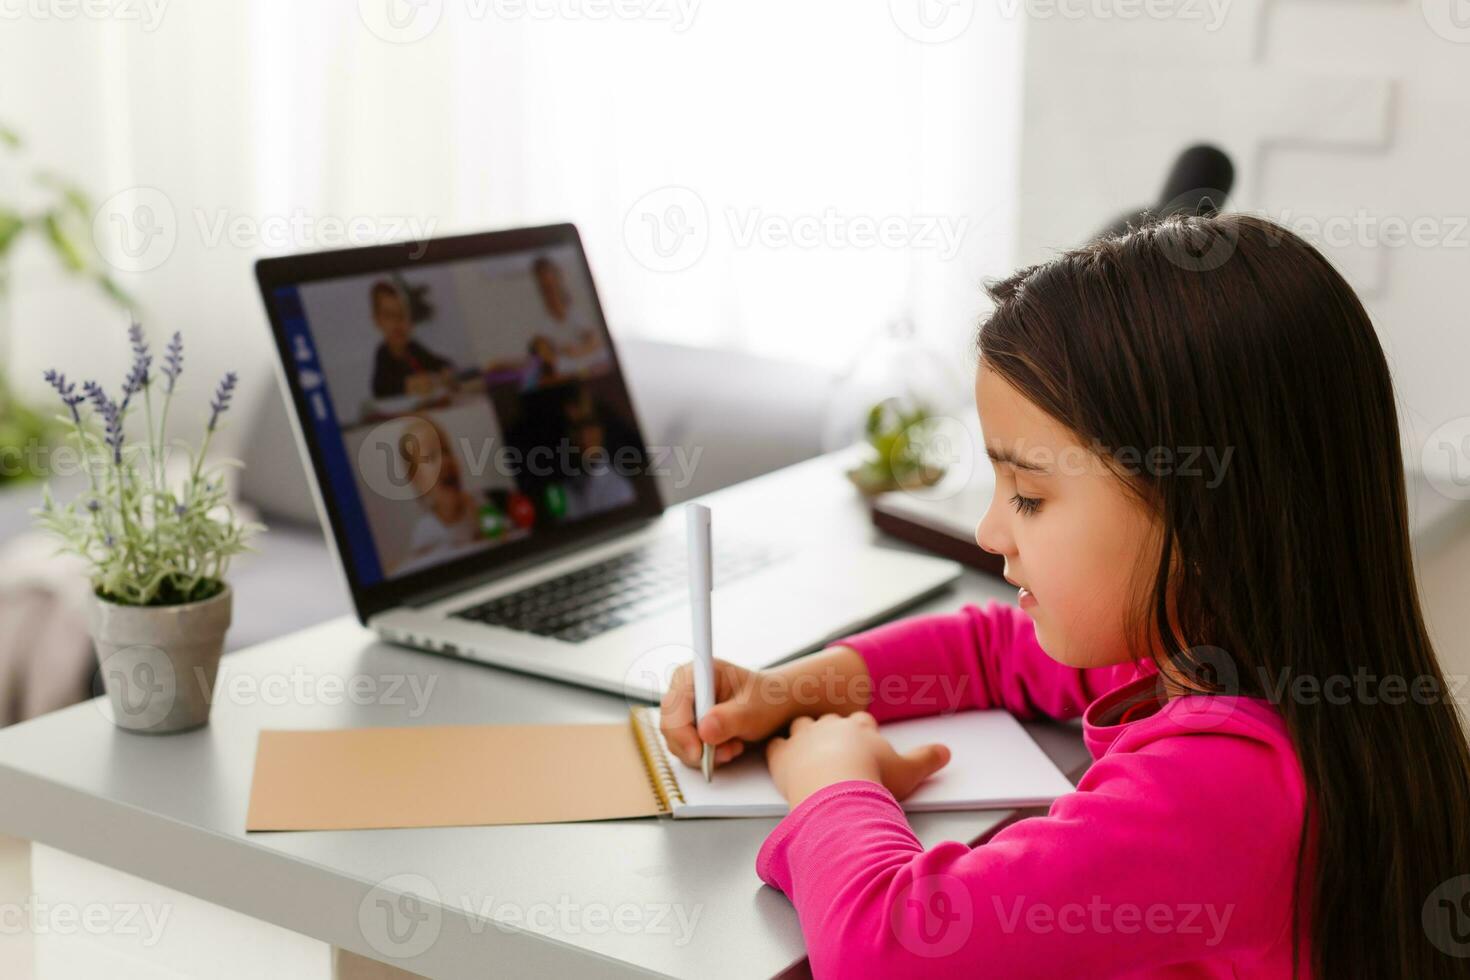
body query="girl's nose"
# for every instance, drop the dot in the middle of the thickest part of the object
(991, 535)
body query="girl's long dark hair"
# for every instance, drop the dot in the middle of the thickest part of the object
(1231, 334)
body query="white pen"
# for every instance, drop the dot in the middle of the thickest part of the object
(701, 575)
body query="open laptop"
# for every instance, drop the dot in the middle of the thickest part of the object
(474, 452)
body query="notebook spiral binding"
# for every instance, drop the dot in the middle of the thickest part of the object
(660, 773)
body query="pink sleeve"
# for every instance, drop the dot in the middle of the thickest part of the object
(974, 658)
(1181, 851)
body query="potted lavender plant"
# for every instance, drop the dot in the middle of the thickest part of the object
(157, 553)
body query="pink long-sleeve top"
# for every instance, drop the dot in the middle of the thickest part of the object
(1174, 857)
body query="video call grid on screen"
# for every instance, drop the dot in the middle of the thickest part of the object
(472, 402)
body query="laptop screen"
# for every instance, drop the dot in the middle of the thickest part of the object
(459, 406)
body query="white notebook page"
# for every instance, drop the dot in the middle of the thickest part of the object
(993, 764)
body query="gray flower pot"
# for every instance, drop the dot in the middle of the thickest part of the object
(159, 662)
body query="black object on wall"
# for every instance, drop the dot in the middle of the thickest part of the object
(1199, 183)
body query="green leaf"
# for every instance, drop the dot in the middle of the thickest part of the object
(66, 250)
(11, 225)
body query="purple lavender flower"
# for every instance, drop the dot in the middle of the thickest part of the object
(179, 510)
(94, 505)
(222, 397)
(137, 378)
(109, 541)
(112, 417)
(173, 360)
(67, 391)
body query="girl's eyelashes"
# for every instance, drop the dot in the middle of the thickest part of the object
(1025, 505)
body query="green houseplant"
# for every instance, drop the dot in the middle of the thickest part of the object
(902, 456)
(157, 554)
(58, 214)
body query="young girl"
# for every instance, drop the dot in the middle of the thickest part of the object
(1200, 493)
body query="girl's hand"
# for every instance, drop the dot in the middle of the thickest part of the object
(749, 705)
(834, 747)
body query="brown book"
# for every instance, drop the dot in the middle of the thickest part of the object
(941, 520)
(478, 775)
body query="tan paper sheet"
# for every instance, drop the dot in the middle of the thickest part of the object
(447, 776)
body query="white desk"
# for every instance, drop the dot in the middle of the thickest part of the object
(142, 868)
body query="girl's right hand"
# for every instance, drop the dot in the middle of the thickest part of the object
(750, 705)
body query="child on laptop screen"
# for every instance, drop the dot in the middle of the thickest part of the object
(1235, 822)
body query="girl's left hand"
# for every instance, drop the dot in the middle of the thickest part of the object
(829, 749)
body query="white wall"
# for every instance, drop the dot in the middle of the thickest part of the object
(1345, 121)
(252, 113)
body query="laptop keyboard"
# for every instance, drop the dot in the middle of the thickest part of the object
(630, 586)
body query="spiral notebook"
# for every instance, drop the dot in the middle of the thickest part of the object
(480, 775)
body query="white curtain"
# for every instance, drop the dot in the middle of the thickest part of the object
(784, 178)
